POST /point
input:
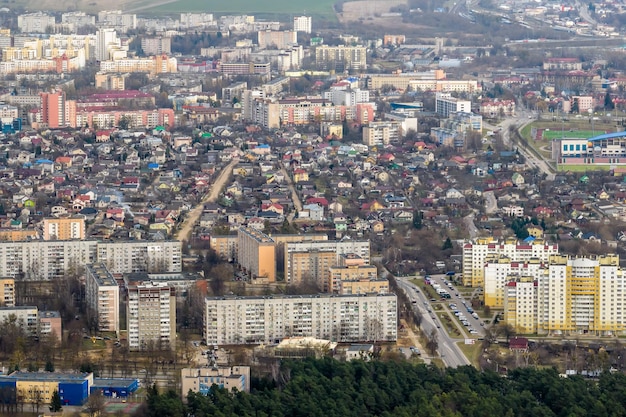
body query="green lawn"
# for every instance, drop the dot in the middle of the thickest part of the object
(585, 168)
(471, 351)
(282, 7)
(576, 134)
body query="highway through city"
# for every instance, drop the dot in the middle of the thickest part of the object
(449, 351)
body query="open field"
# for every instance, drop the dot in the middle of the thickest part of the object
(283, 7)
(578, 134)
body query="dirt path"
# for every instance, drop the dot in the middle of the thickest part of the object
(210, 197)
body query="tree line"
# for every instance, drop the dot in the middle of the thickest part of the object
(326, 387)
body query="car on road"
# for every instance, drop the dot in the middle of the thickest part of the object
(415, 350)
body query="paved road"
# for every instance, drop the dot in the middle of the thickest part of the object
(294, 195)
(210, 197)
(470, 225)
(491, 204)
(449, 351)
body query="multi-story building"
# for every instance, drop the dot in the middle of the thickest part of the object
(156, 45)
(111, 82)
(35, 22)
(302, 24)
(475, 254)
(497, 108)
(118, 20)
(51, 325)
(75, 20)
(159, 64)
(106, 39)
(340, 318)
(15, 235)
(104, 119)
(190, 20)
(200, 380)
(26, 317)
(421, 81)
(445, 105)
(463, 122)
(277, 39)
(499, 270)
(381, 133)
(351, 275)
(341, 58)
(64, 228)
(347, 97)
(102, 295)
(151, 316)
(311, 260)
(224, 246)
(245, 68)
(141, 256)
(53, 109)
(7, 292)
(569, 295)
(45, 260)
(256, 254)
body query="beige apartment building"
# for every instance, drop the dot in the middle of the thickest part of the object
(352, 276)
(341, 57)
(64, 228)
(7, 292)
(151, 316)
(256, 254)
(102, 295)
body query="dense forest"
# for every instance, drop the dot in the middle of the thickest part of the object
(330, 388)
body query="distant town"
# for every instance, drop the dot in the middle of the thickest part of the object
(192, 200)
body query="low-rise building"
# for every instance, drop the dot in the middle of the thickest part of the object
(200, 380)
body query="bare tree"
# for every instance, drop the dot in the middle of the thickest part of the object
(95, 403)
(432, 344)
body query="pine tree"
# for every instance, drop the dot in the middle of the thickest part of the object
(55, 402)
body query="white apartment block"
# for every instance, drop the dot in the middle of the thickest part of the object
(118, 20)
(475, 254)
(445, 105)
(381, 133)
(27, 317)
(102, 294)
(278, 39)
(190, 20)
(106, 39)
(77, 19)
(46, 260)
(141, 256)
(156, 45)
(569, 295)
(153, 65)
(339, 318)
(151, 316)
(348, 97)
(35, 22)
(341, 57)
(302, 24)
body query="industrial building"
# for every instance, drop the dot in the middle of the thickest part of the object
(37, 387)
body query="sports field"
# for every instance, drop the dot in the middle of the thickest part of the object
(577, 134)
(265, 7)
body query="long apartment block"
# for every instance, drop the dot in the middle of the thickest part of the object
(340, 318)
(46, 260)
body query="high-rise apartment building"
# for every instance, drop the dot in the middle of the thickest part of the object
(445, 105)
(105, 39)
(278, 39)
(151, 316)
(64, 228)
(499, 270)
(53, 109)
(102, 295)
(118, 20)
(256, 254)
(302, 24)
(156, 45)
(313, 259)
(475, 253)
(35, 22)
(46, 260)
(341, 58)
(569, 295)
(340, 318)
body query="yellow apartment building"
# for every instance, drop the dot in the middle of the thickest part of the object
(64, 228)
(7, 292)
(17, 235)
(256, 254)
